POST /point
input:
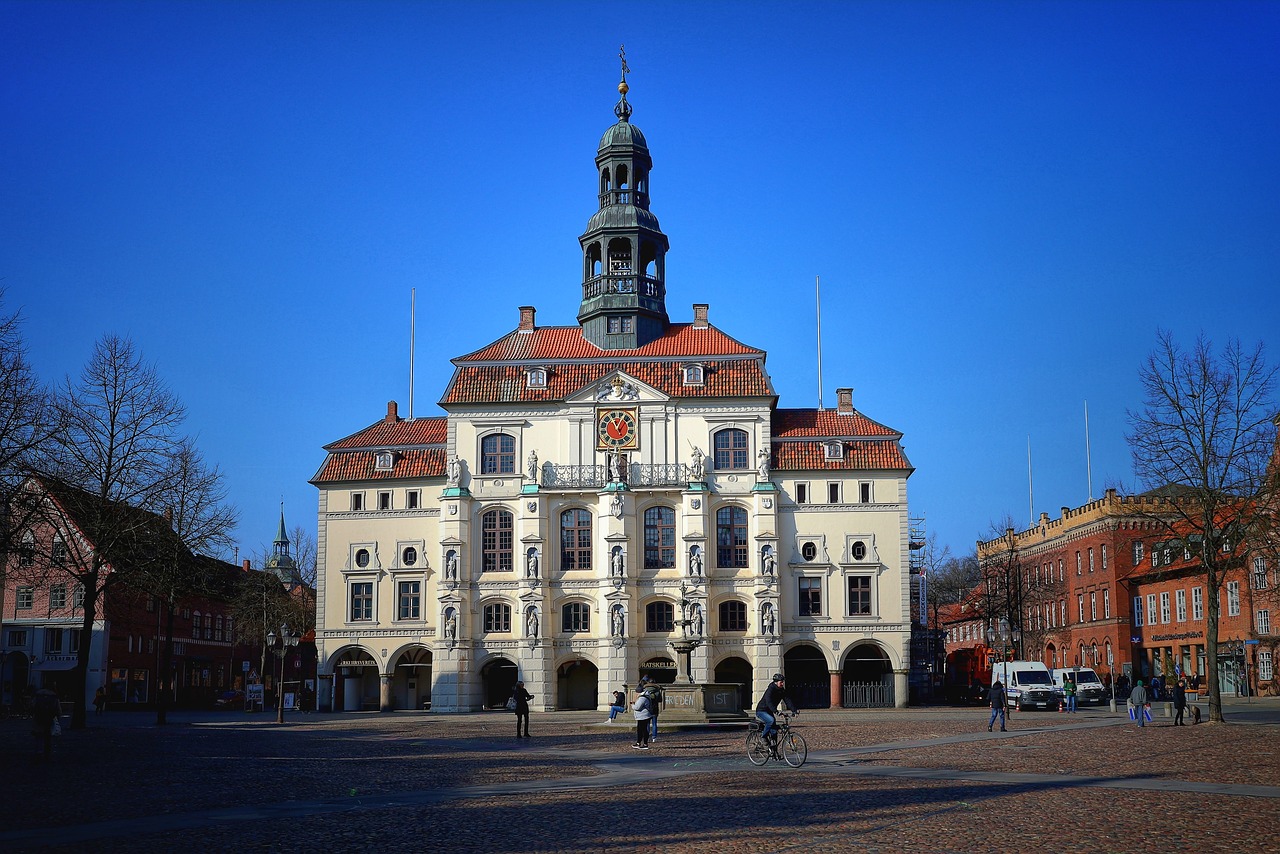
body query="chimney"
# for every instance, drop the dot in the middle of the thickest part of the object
(246, 565)
(844, 401)
(700, 315)
(392, 415)
(526, 318)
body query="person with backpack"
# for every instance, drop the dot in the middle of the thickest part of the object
(997, 698)
(640, 709)
(654, 693)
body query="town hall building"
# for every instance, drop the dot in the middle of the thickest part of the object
(597, 493)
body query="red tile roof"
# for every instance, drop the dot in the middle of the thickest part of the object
(508, 383)
(397, 434)
(359, 465)
(863, 454)
(553, 343)
(828, 423)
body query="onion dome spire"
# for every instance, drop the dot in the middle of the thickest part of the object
(622, 109)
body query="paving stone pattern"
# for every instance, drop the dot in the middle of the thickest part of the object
(916, 780)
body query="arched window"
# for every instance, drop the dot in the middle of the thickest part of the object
(731, 537)
(59, 551)
(495, 541)
(498, 454)
(577, 617)
(27, 549)
(731, 450)
(659, 616)
(575, 539)
(733, 616)
(659, 538)
(497, 617)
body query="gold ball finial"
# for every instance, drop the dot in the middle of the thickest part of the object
(623, 88)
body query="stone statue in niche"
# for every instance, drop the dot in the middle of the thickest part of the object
(531, 623)
(768, 564)
(762, 463)
(618, 564)
(695, 562)
(532, 466)
(615, 505)
(768, 620)
(531, 564)
(697, 620)
(450, 627)
(455, 470)
(618, 624)
(451, 566)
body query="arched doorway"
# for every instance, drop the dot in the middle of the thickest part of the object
(1051, 656)
(499, 676)
(411, 679)
(356, 682)
(736, 671)
(866, 678)
(660, 669)
(808, 679)
(577, 685)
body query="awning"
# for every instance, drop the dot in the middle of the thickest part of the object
(48, 665)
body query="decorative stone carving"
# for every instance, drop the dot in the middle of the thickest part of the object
(768, 563)
(695, 562)
(532, 466)
(531, 564)
(768, 621)
(697, 466)
(451, 566)
(618, 622)
(618, 565)
(762, 464)
(615, 505)
(450, 627)
(455, 470)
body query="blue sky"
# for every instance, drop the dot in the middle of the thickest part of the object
(1004, 202)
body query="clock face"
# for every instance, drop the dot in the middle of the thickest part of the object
(616, 429)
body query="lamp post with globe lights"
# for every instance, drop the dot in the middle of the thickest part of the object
(280, 646)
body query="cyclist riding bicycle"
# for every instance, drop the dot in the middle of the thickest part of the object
(767, 708)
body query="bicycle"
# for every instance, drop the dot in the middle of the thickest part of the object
(784, 743)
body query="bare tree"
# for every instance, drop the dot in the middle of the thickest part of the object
(116, 436)
(304, 555)
(1203, 438)
(194, 501)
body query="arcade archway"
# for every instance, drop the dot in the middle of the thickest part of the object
(498, 676)
(577, 685)
(808, 678)
(866, 678)
(411, 679)
(660, 669)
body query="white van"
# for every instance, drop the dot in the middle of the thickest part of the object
(1089, 688)
(1027, 684)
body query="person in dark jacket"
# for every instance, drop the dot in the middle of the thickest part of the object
(1179, 702)
(45, 709)
(522, 698)
(1138, 700)
(996, 697)
(767, 708)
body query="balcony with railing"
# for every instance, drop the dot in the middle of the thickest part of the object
(597, 476)
(624, 196)
(624, 283)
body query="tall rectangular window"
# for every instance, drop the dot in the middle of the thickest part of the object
(53, 641)
(802, 493)
(1197, 603)
(57, 596)
(1233, 598)
(1152, 613)
(1106, 604)
(1091, 559)
(1103, 550)
(1265, 670)
(1164, 607)
(1264, 622)
(1137, 552)
(384, 500)
(1180, 601)
(810, 594)
(1259, 573)
(1137, 611)
(864, 492)
(859, 595)
(1093, 606)
(1080, 606)
(25, 597)
(411, 499)
(833, 493)
(361, 601)
(410, 597)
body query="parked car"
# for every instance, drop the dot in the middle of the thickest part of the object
(229, 700)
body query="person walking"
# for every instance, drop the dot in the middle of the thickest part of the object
(1069, 688)
(1179, 702)
(619, 703)
(996, 697)
(640, 709)
(1138, 700)
(522, 698)
(100, 700)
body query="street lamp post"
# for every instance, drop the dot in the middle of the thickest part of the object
(1006, 634)
(280, 647)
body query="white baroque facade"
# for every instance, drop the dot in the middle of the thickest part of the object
(595, 492)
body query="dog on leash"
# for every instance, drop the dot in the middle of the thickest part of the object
(1195, 715)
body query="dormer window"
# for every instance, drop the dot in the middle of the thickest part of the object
(536, 377)
(833, 450)
(384, 461)
(693, 375)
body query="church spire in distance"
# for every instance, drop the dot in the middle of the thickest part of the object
(623, 249)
